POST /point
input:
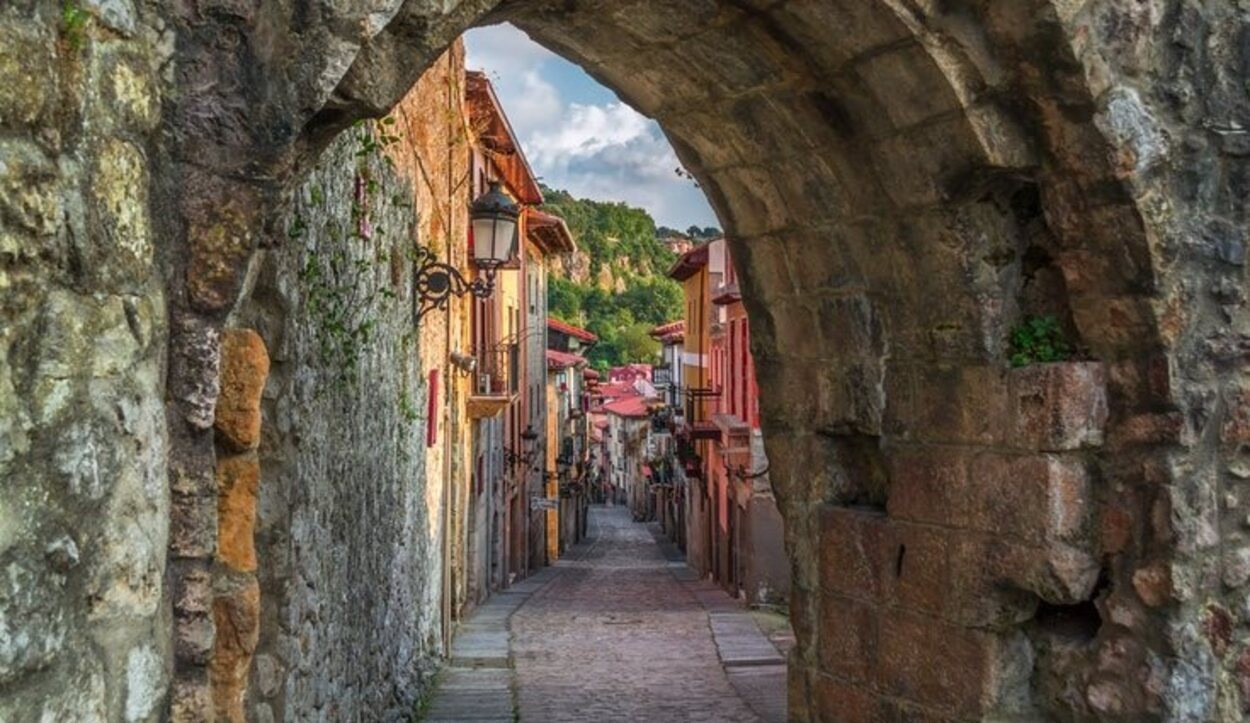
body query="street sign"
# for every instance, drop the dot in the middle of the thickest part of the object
(544, 503)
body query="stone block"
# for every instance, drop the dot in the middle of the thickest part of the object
(962, 405)
(119, 187)
(1035, 498)
(1057, 573)
(1154, 584)
(193, 590)
(1151, 429)
(756, 205)
(1115, 528)
(862, 28)
(221, 217)
(195, 345)
(1061, 406)
(925, 483)
(920, 166)
(917, 570)
(128, 99)
(852, 551)
(238, 480)
(1002, 138)
(244, 369)
(190, 701)
(981, 596)
(938, 665)
(1236, 426)
(848, 638)
(145, 682)
(30, 201)
(193, 639)
(193, 526)
(237, 618)
(908, 84)
(838, 701)
(28, 75)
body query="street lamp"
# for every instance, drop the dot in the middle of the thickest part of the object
(493, 217)
(528, 438)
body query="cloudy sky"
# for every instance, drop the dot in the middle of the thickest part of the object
(578, 136)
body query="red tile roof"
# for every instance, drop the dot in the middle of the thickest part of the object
(635, 406)
(573, 331)
(590, 374)
(616, 390)
(563, 360)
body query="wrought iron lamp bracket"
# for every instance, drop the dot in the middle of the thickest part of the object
(436, 282)
(515, 459)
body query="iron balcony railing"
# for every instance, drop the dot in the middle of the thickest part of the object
(498, 369)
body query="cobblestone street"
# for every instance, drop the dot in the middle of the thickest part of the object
(620, 631)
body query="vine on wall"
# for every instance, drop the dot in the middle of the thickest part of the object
(339, 275)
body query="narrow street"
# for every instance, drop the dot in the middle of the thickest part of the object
(618, 630)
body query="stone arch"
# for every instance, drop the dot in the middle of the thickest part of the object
(899, 194)
(902, 180)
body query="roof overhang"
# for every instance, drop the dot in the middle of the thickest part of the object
(495, 135)
(549, 232)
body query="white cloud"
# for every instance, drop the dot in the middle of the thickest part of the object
(591, 130)
(503, 49)
(606, 151)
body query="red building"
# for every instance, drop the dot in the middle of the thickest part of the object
(734, 527)
(630, 373)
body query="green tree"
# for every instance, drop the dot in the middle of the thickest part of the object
(624, 239)
(636, 345)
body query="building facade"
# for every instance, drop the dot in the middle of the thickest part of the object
(719, 472)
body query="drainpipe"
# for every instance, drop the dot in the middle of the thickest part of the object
(450, 384)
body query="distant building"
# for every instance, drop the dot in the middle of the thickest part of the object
(563, 336)
(734, 527)
(630, 373)
(568, 469)
(667, 375)
(628, 425)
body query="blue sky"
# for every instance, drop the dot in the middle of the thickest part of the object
(578, 135)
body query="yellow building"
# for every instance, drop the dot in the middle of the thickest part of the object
(697, 401)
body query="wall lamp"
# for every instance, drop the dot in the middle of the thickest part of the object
(528, 438)
(493, 216)
(466, 364)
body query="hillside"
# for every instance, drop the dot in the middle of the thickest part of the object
(615, 285)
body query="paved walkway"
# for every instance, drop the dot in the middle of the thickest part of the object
(620, 630)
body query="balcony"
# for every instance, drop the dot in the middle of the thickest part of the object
(496, 382)
(697, 416)
(724, 294)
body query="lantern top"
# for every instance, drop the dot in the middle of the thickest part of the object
(495, 202)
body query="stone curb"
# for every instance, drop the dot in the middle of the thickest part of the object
(753, 665)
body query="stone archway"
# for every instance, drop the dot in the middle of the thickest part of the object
(902, 181)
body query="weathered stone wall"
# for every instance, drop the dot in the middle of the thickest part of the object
(84, 510)
(902, 181)
(434, 156)
(348, 529)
